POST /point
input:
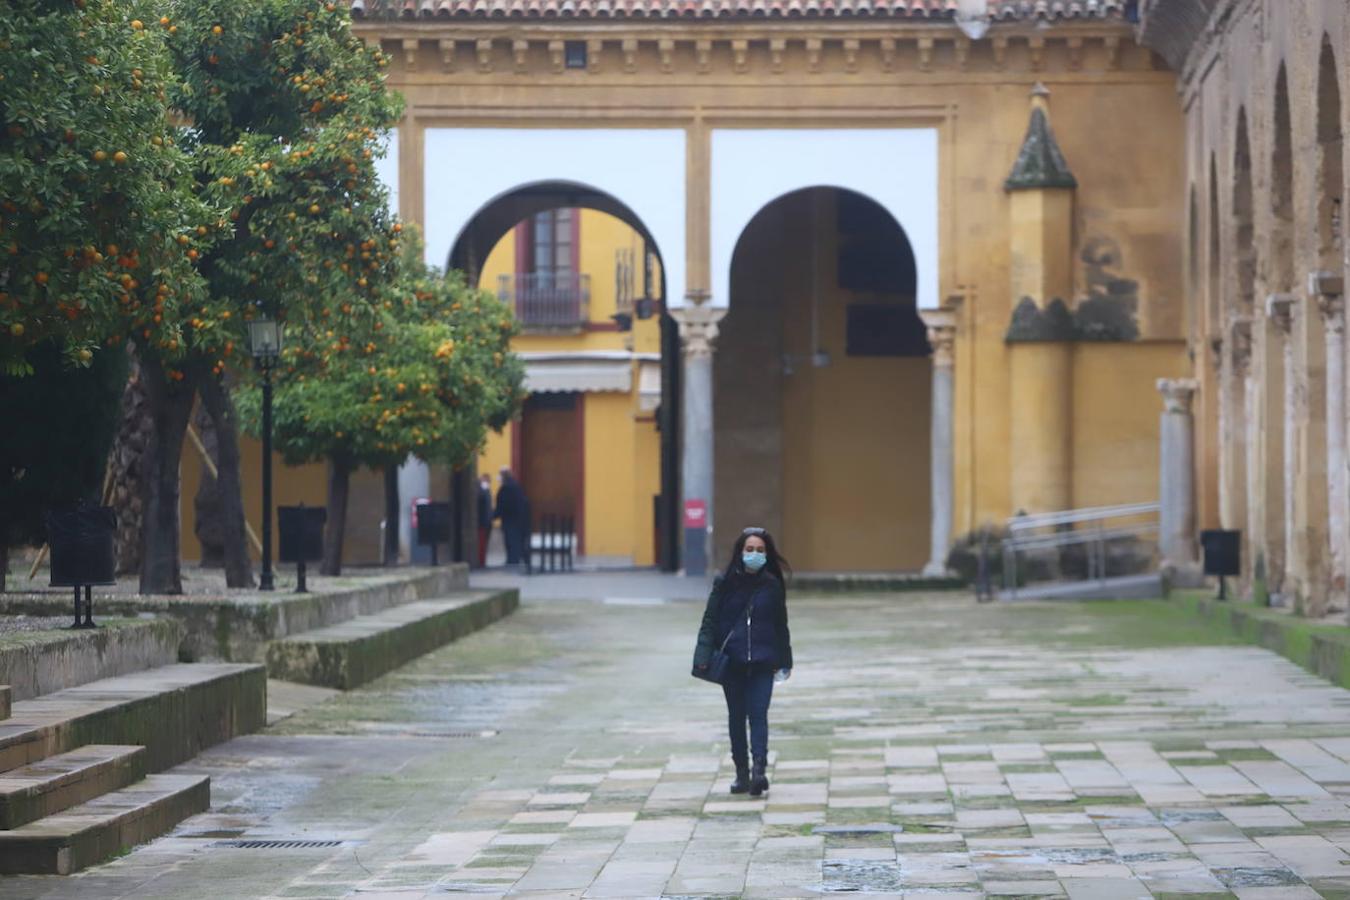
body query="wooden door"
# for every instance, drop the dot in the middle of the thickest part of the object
(551, 456)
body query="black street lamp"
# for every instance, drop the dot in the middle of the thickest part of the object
(264, 338)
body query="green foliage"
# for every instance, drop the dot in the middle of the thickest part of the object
(289, 110)
(68, 416)
(428, 377)
(92, 183)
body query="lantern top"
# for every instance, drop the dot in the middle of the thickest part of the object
(264, 338)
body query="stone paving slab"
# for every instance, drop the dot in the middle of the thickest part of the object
(923, 748)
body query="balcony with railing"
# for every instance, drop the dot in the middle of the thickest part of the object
(547, 301)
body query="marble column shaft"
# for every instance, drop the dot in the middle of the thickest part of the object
(1328, 289)
(698, 333)
(942, 336)
(1177, 476)
(1280, 309)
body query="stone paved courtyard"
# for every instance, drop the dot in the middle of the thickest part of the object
(925, 747)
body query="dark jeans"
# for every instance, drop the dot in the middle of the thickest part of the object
(516, 537)
(748, 689)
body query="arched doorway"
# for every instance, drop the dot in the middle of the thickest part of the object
(822, 386)
(597, 441)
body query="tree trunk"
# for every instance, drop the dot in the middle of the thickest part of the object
(219, 406)
(4, 563)
(170, 407)
(339, 483)
(391, 515)
(130, 446)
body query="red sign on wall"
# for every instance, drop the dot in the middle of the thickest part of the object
(695, 514)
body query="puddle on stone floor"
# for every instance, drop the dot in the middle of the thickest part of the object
(1250, 877)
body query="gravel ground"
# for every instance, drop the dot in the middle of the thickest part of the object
(16, 624)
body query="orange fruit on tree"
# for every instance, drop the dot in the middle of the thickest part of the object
(100, 156)
(137, 24)
(41, 278)
(119, 157)
(16, 329)
(216, 29)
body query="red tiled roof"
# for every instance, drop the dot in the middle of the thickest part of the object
(999, 10)
(653, 9)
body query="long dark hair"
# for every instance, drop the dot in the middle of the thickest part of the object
(775, 563)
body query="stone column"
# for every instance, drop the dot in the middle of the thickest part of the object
(1176, 526)
(942, 336)
(1328, 290)
(1280, 309)
(698, 333)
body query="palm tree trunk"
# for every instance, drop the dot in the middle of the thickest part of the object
(132, 442)
(216, 399)
(339, 486)
(170, 407)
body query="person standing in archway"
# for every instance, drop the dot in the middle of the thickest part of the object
(746, 620)
(484, 517)
(513, 508)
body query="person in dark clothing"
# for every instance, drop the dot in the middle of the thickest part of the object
(513, 508)
(484, 517)
(747, 609)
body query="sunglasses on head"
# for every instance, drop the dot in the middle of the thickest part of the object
(753, 530)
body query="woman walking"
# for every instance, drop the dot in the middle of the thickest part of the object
(746, 619)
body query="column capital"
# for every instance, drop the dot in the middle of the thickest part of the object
(1325, 284)
(1177, 394)
(941, 324)
(1280, 311)
(698, 320)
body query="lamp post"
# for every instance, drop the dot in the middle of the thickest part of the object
(264, 337)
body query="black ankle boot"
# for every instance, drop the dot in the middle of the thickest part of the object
(759, 782)
(742, 782)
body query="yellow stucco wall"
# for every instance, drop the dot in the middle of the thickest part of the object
(622, 449)
(1116, 410)
(291, 485)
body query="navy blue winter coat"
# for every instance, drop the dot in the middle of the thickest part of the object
(762, 636)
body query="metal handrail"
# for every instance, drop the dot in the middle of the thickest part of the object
(1067, 534)
(1077, 516)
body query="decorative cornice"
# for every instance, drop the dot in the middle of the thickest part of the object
(535, 47)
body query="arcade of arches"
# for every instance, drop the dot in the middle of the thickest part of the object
(917, 278)
(1094, 197)
(1265, 161)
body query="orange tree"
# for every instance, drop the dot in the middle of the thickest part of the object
(286, 111)
(92, 185)
(427, 377)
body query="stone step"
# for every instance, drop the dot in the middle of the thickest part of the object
(103, 827)
(6, 701)
(354, 652)
(44, 788)
(174, 711)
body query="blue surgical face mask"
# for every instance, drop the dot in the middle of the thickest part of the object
(753, 560)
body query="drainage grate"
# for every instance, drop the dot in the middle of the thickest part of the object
(279, 844)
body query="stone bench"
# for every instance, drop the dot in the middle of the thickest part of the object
(359, 650)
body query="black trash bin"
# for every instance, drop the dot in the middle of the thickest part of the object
(301, 535)
(81, 541)
(1223, 555)
(433, 527)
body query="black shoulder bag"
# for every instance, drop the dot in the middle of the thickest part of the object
(716, 669)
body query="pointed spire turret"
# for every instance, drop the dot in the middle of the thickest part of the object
(1040, 163)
